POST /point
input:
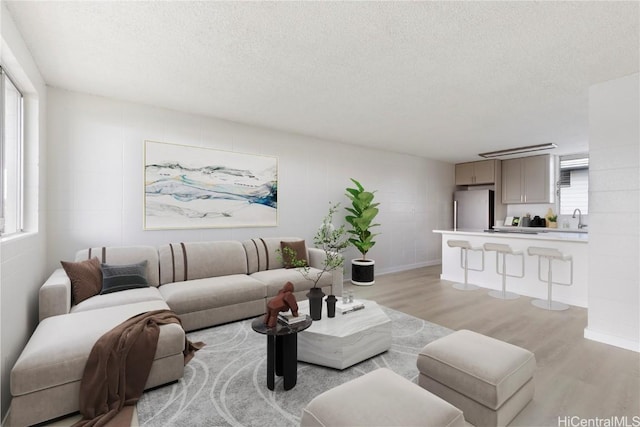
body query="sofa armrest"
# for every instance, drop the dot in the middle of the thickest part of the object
(316, 260)
(55, 295)
(316, 257)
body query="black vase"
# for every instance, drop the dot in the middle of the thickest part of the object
(315, 296)
(331, 306)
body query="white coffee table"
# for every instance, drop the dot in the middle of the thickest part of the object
(346, 339)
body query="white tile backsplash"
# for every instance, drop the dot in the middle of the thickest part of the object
(533, 209)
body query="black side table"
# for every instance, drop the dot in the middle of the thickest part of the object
(282, 350)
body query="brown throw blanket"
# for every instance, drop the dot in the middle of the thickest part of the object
(119, 365)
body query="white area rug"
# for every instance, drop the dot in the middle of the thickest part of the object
(226, 384)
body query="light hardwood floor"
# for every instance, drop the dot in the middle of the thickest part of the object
(574, 377)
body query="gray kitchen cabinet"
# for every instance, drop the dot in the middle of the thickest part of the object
(476, 173)
(464, 174)
(512, 181)
(485, 171)
(528, 180)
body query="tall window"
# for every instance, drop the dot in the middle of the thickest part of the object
(574, 184)
(11, 147)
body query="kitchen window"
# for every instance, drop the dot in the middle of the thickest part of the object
(573, 185)
(11, 160)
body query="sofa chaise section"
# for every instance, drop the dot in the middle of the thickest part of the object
(55, 294)
(45, 381)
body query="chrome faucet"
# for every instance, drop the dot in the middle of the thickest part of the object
(580, 224)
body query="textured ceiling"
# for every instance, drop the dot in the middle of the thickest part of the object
(444, 80)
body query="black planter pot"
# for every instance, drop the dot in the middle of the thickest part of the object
(315, 296)
(362, 272)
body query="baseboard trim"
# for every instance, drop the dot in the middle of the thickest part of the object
(612, 340)
(400, 268)
(383, 271)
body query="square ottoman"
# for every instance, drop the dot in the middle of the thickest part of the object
(380, 398)
(490, 380)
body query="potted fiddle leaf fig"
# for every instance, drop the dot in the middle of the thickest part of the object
(362, 212)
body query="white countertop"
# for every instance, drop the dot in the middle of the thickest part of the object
(525, 233)
(542, 229)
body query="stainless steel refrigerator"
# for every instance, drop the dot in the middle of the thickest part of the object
(473, 210)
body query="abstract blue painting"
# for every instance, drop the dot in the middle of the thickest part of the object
(199, 187)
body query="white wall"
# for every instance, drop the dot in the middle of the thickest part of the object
(22, 259)
(614, 211)
(95, 174)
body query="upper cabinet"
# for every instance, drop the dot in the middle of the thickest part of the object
(476, 173)
(528, 180)
(512, 181)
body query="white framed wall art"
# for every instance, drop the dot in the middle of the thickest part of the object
(199, 187)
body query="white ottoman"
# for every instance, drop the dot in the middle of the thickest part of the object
(490, 380)
(380, 398)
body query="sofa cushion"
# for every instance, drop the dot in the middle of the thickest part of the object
(262, 253)
(118, 298)
(275, 279)
(126, 255)
(59, 348)
(86, 278)
(117, 278)
(293, 253)
(180, 262)
(212, 292)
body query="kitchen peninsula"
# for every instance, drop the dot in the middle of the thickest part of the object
(569, 243)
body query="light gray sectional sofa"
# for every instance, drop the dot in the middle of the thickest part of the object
(204, 283)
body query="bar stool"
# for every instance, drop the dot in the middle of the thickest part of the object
(500, 248)
(465, 246)
(550, 254)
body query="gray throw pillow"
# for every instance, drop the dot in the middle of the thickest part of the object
(117, 278)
